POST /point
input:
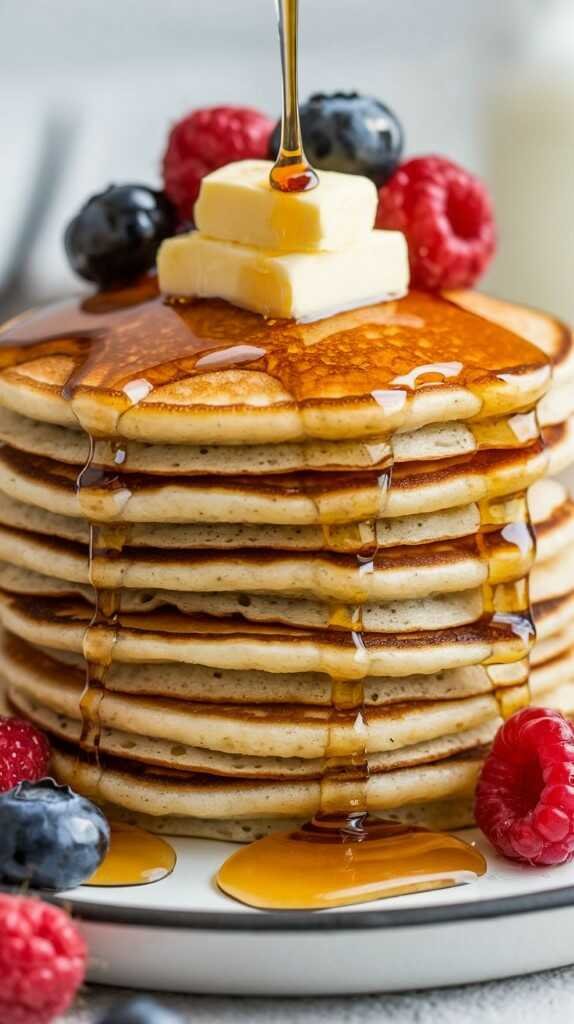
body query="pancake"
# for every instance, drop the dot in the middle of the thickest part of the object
(559, 442)
(562, 699)
(552, 513)
(558, 403)
(437, 441)
(437, 814)
(552, 646)
(448, 524)
(443, 611)
(553, 578)
(551, 674)
(286, 731)
(156, 792)
(238, 645)
(551, 509)
(398, 573)
(198, 683)
(553, 616)
(240, 379)
(293, 500)
(178, 756)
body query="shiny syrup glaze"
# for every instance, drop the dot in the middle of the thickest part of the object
(135, 857)
(346, 859)
(291, 171)
(130, 342)
(122, 346)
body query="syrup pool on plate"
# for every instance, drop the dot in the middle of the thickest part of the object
(332, 863)
(135, 857)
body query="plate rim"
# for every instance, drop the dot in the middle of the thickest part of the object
(316, 921)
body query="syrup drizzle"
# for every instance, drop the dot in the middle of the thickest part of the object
(94, 486)
(506, 598)
(111, 345)
(291, 171)
(135, 857)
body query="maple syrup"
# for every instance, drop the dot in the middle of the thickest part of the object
(291, 171)
(504, 599)
(106, 546)
(332, 862)
(135, 857)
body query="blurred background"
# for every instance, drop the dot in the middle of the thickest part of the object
(88, 92)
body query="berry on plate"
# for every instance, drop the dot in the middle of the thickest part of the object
(42, 961)
(208, 139)
(525, 795)
(24, 753)
(115, 236)
(50, 837)
(446, 215)
(350, 133)
(139, 1010)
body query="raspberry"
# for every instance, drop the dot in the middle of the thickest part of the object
(42, 961)
(24, 753)
(208, 139)
(446, 215)
(525, 795)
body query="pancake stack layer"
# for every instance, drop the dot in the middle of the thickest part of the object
(294, 558)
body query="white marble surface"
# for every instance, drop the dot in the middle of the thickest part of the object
(546, 998)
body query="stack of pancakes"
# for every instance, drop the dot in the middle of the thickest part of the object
(252, 567)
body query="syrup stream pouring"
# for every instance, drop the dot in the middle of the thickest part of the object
(291, 172)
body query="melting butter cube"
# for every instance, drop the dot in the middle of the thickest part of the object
(301, 286)
(237, 204)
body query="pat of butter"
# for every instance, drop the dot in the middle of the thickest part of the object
(237, 204)
(301, 286)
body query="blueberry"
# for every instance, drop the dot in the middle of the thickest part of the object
(349, 133)
(115, 236)
(139, 1010)
(50, 838)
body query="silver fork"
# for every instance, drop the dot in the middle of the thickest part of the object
(58, 131)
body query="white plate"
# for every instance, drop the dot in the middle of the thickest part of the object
(182, 934)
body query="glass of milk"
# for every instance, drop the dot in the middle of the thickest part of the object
(530, 165)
